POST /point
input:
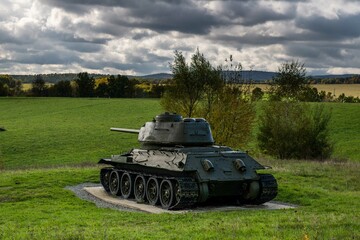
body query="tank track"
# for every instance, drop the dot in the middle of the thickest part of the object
(186, 190)
(268, 189)
(189, 193)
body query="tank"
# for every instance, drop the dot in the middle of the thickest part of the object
(179, 166)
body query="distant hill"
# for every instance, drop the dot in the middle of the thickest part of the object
(156, 76)
(56, 77)
(256, 76)
(334, 76)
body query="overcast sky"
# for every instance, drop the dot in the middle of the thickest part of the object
(139, 37)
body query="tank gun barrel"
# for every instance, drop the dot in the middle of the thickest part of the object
(126, 130)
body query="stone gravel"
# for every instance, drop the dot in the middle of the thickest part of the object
(82, 194)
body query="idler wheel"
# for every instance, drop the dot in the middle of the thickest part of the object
(104, 178)
(114, 183)
(126, 185)
(166, 193)
(139, 188)
(152, 191)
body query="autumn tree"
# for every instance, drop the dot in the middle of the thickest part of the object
(199, 89)
(10, 86)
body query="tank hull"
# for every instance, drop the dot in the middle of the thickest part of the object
(177, 178)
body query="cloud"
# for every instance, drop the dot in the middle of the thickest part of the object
(342, 27)
(140, 36)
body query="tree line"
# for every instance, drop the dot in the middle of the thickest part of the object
(84, 85)
(337, 80)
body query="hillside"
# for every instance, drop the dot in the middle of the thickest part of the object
(52, 144)
(51, 131)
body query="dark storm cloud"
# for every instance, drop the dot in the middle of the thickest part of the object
(82, 6)
(343, 27)
(250, 13)
(253, 39)
(163, 16)
(325, 52)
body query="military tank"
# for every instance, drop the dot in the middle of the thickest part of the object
(178, 166)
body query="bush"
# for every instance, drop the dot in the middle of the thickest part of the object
(294, 130)
(232, 117)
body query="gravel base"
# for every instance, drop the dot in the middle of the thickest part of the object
(82, 194)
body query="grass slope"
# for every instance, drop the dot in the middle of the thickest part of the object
(57, 131)
(345, 130)
(48, 132)
(62, 131)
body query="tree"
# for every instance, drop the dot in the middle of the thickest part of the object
(232, 117)
(9, 86)
(290, 81)
(190, 84)
(257, 94)
(39, 88)
(102, 90)
(4, 90)
(63, 89)
(85, 85)
(203, 90)
(119, 87)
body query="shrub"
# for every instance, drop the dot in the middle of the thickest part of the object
(294, 130)
(232, 117)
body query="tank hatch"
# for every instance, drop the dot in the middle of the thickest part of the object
(173, 129)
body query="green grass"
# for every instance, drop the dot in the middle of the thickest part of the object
(62, 131)
(345, 130)
(52, 143)
(34, 204)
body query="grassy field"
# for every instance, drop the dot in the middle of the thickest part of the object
(36, 205)
(335, 89)
(52, 131)
(62, 131)
(52, 143)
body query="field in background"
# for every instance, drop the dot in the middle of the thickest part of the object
(335, 89)
(51, 143)
(53, 131)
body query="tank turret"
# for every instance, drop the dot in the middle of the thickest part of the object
(170, 129)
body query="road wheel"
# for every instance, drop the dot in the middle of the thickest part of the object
(126, 185)
(139, 188)
(166, 194)
(152, 191)
(114, 183)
